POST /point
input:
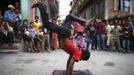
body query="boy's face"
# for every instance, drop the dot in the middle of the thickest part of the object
(115, 26)
(119, 22)
(36, 19)
(31, 24)
(97, 20)
(11, 9)
(25, 23)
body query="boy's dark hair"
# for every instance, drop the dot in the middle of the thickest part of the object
(85, 55)
(36, 17)
(25, 20)
(31, 22)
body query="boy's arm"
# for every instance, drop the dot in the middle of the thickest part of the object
(70, 65)
(68, 61)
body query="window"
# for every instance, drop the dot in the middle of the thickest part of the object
(116, 5)
(91, 13)
(122, 5)
(126, 6)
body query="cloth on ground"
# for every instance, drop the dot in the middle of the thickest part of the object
(75, 72)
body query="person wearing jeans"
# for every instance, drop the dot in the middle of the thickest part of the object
(100, 32)
(128, 35)
(47, 41)
(64, 33)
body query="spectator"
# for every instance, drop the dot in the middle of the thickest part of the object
(41, 39)
(1, 28)
(17, 5)
(91, 36)
(109, 35)
(1, 18)
(47, 40)
(6, 33)
(80, 41)
(130, 26)
(32, 35)
(132, 42)
(115, 38)
(10, 16)
(121, 23)
(25, 35)
(100, 31)
(18, 21)
(53, 37)
(37, 24)
(128, 35)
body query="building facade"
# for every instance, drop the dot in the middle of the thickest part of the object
(105, 9)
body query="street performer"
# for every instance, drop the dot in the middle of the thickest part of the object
(64, 33)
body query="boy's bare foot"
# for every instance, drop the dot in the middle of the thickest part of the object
(36, 5)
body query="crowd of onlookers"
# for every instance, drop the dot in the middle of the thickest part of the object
(109, 35)
(34, 36)
(9, 25)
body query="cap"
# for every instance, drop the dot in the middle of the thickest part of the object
(11, 6)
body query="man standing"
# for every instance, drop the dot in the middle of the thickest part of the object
(100, 31)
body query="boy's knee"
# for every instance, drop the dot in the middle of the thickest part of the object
(68, 17)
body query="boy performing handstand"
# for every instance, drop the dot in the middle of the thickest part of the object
(64, 33)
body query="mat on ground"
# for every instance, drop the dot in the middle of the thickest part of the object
(75, 72)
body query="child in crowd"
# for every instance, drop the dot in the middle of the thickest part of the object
(25, 35)
(41, 39)
(32, 35)
(115, 43)
(80, 39)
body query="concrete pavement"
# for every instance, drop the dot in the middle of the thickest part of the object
(100, 63)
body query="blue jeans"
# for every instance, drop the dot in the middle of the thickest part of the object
(101, 41)
(132, 43)
(94, 41)
(126, 43)
(47, 42)
(88, 42)
(91, 39)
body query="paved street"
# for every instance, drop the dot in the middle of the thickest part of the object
(101, 63)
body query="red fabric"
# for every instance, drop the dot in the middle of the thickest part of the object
(71, 49)
(78, 27)
(1, 22)
(53, 40)
(100, 28)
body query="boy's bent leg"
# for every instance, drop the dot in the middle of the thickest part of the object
(71, 18)
(62, 31)
(44, 15)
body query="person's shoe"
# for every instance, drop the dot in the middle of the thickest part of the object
(48, 51)
(36, 5)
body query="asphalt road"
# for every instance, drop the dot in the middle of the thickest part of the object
(100, 63)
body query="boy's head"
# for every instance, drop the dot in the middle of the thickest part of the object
(85, 55)
(25, 21)
(31, 24)
(36, 18)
